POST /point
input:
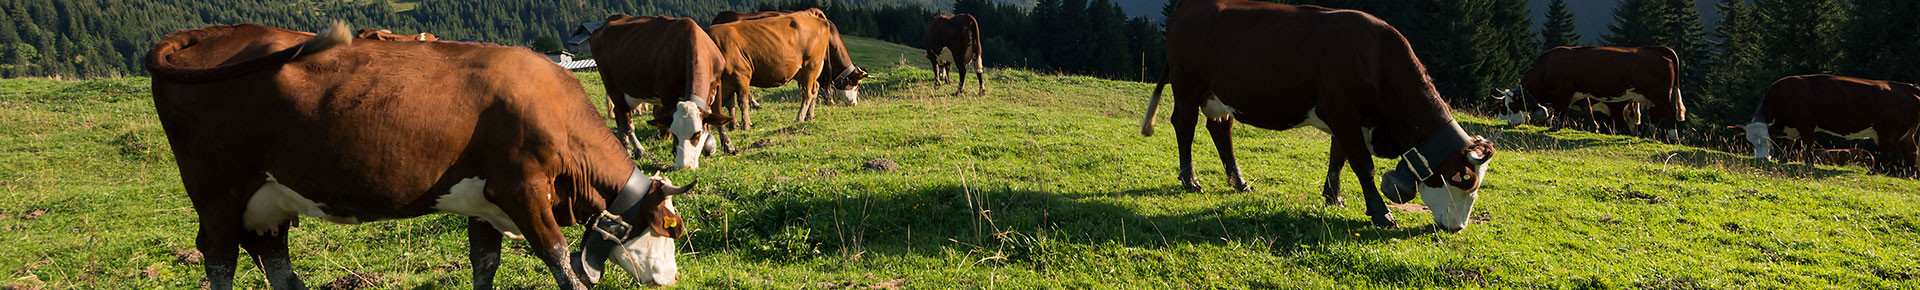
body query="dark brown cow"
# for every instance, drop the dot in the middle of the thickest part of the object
(1279, 66)
(669, 62)
(1852, 108)
(383, 34)
(270, 124)
(768, 52)
(960, 34)
(1614, 76)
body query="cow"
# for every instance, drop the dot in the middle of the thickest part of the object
(768, 52)
(960, 34)
(270, 124)
(672, 63)
(1615, 76)
(1852, 108)
(386, 35)
(1344, 72)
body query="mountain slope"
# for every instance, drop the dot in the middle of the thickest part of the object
(1043, 183)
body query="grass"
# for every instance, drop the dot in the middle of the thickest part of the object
(1043, 183)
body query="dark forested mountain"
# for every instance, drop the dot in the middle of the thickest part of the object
(93, 38)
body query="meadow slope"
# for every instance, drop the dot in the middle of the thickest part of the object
(1042, 183)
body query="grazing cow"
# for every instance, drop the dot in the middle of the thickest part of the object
(1614, 76)
(383, 34)
(1852, 108)
(270, 124)
(1345, 72)
(768, 52)
(960, 34)
(671, 63)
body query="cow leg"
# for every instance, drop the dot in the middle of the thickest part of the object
(726, 143)
(219, 242)
(483, 251)
(963, 76)
(1331, 189)
(1349, 139)
(979, 70)
(1186, 114)
(622, 114)
(528, 205)
(269, 252)
(810, 88)
(1222, 132)
(742, 97)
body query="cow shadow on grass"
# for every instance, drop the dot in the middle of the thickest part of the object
(1711, 159)
(1544, 138)
(1033, 228)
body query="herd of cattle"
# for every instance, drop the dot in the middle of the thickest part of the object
(270, 124)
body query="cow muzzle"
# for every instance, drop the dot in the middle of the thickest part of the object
(649, 257)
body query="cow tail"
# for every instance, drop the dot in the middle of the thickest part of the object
(158, 64)
(1153, 105)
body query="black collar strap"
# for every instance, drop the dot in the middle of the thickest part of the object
(1436, 148)
(607, 229)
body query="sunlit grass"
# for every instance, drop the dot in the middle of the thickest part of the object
(1042, 183)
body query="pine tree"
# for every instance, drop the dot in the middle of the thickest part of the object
(1735, 78)
(1798, 35)
(1883, 40)
(1559, 29)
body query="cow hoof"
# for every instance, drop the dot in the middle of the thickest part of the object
(1243, 187)
(1384, 221)
(1336, 201)
(1191, 186)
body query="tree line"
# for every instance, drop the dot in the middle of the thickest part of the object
(109, 38)
(1470, 47)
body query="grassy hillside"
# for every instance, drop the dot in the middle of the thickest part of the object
(1044, 183)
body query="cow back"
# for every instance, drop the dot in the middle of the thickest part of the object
(773, 49)
(370, 138)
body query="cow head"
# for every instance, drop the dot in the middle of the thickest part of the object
(846, 85)
(637, 231)
(1757, 134)
(1514, 111)
(691, 139)
(1452, 187)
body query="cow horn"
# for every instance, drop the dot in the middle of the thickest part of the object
(678, 190)
(1477, 158)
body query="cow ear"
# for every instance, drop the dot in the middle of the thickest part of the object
(678, 190)
(718, 119)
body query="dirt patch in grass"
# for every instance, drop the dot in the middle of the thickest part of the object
(1410, 207)
(880, 164)
(187, 256)
(357, 280)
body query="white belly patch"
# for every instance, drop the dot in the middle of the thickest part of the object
(1790, 133)
(1863, 134)
(1628, 96)
(469, 198)
(1215, 109)
(1313, 120)
(275, 203)
(632, 101)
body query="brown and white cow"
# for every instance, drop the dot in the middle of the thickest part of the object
(269, 124)
(1853, 108)
(1345, 72)
(1615, 76)
(768, 52)
(960, 34)
(672, 63)
(383, 34)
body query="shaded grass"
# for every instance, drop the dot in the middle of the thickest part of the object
(1044, 183)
